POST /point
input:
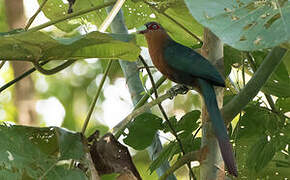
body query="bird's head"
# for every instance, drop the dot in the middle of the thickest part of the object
(154, 33)
(151, 27)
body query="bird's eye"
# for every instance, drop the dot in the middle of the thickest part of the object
(154, 26)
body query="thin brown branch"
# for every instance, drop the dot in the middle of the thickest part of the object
(2, 64)
(30, 21)
(164, 114)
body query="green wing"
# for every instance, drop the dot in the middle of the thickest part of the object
(186, 60)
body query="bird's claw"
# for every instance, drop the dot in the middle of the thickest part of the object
(178, 89)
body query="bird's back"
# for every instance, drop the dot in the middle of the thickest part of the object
(186, 61)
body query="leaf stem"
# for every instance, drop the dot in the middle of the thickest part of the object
(69, 16)
(187, 158)
(53, 70)
(119, 128)
(27, 73)
(103, 28)
(2, 64)
(32, 18)
(91, 109)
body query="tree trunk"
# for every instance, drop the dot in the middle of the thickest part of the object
(24, 89)
(213, 166)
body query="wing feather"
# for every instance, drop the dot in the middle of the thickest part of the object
(184, 59)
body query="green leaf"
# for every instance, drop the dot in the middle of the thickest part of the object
(139, 13)
(109, 177)
(30, 152)
(255, 122)
(260, 154)
(40, 46)
(142, 131)
(278, 83)
(283, 104)
(245, 24)
(179, 12)
(188, 122)
(173, 121)
(188, 143)
(166, 153)
(55, 9)
(231, 56)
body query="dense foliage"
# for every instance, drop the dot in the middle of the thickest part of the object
(260, 132)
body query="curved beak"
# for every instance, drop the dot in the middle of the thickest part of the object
(142, 30)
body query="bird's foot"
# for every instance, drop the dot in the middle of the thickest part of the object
(178, 89)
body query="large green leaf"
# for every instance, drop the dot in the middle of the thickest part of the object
(283, 104)
(245, 24)
(32, 153)
(279, 82)
(142, 131)
(260, 154)
(40, 46)
(256, 121)
(54, 9)
(270, 171)
(188, 122)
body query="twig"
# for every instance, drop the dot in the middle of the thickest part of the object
(173, 20)
(106, 23)
(142, 67)
(32, 18)
(27, 73)
(119, 128)
(187, 158)
(53, 70)
(2, 64)
(47, 171)
(91, 109)
(144, 99)
(69, 16)
(164, 113)
(29, 23)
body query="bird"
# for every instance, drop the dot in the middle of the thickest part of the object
(184, 66)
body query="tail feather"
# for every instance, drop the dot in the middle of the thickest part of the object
(219, 127)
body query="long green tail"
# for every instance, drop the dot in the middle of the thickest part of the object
(219, 127)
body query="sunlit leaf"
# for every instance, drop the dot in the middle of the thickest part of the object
(245, 24)
(40, 46)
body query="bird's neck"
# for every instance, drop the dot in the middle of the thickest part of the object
(157, 41)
